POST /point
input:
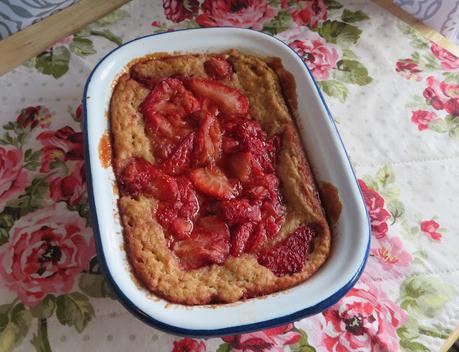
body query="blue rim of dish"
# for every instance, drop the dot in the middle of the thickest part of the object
(233, 330)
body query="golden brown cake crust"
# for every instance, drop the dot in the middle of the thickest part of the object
(238, 277)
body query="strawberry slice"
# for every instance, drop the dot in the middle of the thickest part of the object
(164, 111)
(165, 214)
(179, 161)
(229, 100)
(187, 204)
(239, 165)
(239, 211)
(288, 256)
(229, 145)
(170, 98)
(218, 67)
(212, 181)
(208, 143)
(208, 244)
(181, 228)
(256, 239)
(273, 216)
(240, 238)
(141, 177)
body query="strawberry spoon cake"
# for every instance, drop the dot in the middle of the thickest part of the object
(217, 200)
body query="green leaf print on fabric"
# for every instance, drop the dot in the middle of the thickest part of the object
(334, 89)
(82, 46)
(351, 17)
(332, 4)
(45, 308)
(224, 347)
(94, 285)
(54, 62)
(351, 71)
(417, 40)
(75, 310)
(424, 295)
(111, 18)
(302, 345)
(339, 33)
(40, 340)
(14, 325)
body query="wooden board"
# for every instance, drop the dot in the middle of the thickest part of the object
(36, 38)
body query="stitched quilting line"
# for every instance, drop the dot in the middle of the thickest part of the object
(404, 162)
(439, 273)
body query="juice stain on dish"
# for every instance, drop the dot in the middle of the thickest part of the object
(330, 201)
(105, 150)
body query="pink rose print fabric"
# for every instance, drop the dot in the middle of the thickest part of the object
(422, 118)
(189, 345)
(376, 211)
(394, 96)
(390, 256)
(365, 320)
(269, 340)
(13, 177)
(429, 228)
(236, 13)
(180, 10)
(409, 69)
(448, 61)
(46, 251)
(311, 13)
(320, 56)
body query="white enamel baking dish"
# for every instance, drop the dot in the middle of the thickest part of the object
(326, 154)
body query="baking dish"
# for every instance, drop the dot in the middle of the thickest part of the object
(325, 152)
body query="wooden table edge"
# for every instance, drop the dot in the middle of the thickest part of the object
(38, 37)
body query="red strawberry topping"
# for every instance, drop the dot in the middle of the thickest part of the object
(239, 211)
(240, 238)
(141, 177)
(208, 244)
(208, 144)
(288, 256)
(179, 161)
(229, 100)
(216, 179)
(218, 67)
(212, 181)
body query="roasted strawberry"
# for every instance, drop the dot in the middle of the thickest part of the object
(239, 165)
(218, 67)
(165, 214)
(181, 228)
(165, 110)
(256, 239)
(229, 100)
(141, 177)
(157, 124)
(208, 144)
(208, 244)
(240, 238)
(212, 181)
(171, 99)
(179, 161)
(273, 216)
(288, 256)
(229, 145)
(187, 204)
(264, 186)
(239, 211)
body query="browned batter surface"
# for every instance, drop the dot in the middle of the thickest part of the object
(238, 278)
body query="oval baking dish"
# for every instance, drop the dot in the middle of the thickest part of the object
(326, 154)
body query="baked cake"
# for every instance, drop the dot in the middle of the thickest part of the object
(217, 200)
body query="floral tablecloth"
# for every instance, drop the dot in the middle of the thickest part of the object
(395, 98)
